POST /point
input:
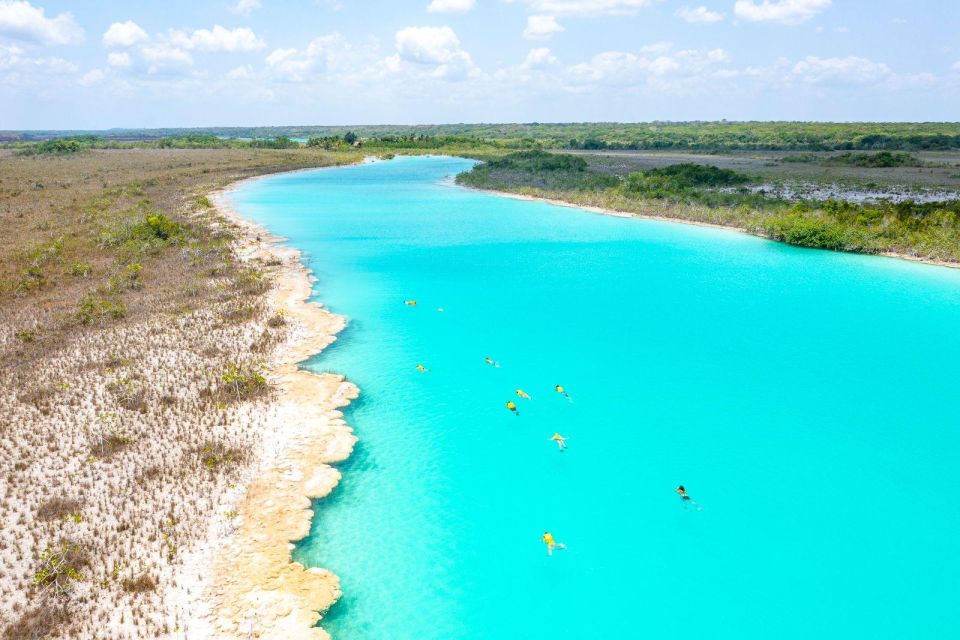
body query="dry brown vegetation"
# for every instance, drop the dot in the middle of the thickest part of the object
(130, 343)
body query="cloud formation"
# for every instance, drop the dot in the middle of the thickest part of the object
(245, 7)
(539, 27)
(218, 39)
(450, 6)
(23, 21)
(782, 11)
(698, 15)
(587, 7)
(436, 49)
(124, 34)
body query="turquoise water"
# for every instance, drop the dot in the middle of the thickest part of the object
(806, 399)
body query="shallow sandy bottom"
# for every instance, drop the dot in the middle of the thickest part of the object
(256, 589)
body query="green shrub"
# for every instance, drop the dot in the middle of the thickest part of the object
(156, 230)
(27, 335)
(81, 269)
(807, 231)
(244, 381)
(95, 309)
(215, 454)
(54, 147)
(60, 566)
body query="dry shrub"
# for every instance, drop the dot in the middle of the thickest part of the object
(141, 584)
(57, 508)
(39, 622)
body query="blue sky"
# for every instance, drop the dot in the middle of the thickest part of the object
(99, 64)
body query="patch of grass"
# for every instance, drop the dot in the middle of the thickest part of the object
(216, 455)
(81, 269)
(28, 335)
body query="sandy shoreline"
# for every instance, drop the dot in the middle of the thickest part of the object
(697, 223)
(255, 589)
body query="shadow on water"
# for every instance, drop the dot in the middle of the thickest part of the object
(340, 611)
(317, 363)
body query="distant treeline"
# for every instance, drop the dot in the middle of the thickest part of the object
(692, 136)
(75, 144)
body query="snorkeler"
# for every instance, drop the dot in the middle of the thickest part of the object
(523, 394)
(512, 406)
(552, 544)
(560, 440)
(422, 369)
(492, 362)
(559, 388)
(686, 498)
(410, 303)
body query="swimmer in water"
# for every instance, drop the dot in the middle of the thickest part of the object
(552, 544)
(560, 440)
(523, 394)
(422, 369)
(512, 406)
(410, 303)
(559, 388)
(685, 499)
(492, 362)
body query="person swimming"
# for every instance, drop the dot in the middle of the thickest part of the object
(552, 544)
(512, 406)
(523, 394)
(410, 303)
(422, 369)
(559, 389)
(685, 498)
(492, 362)
(560, 440)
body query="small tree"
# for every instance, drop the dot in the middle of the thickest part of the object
(60, 568)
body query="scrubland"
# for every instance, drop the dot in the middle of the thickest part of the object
(133, 343)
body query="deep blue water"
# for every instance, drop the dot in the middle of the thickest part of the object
(806, 399)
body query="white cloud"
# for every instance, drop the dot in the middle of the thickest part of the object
(124, 34)
(849, 69)
(587, 7)
(541, 27)
(119, 59)
(436, 47)
(783, 11)
(21, 20)
(700, 15)
(296, 65)
(164, 57)
(95, 76)
(241, 73)
(956, 65)
(450, 6)
(245, 7)
(241, 39)
(539, 58)
(620, 68)
(18, 70)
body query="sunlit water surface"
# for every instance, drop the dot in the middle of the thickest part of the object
(807, 400)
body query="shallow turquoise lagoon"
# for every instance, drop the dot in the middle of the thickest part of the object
(807, 400)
